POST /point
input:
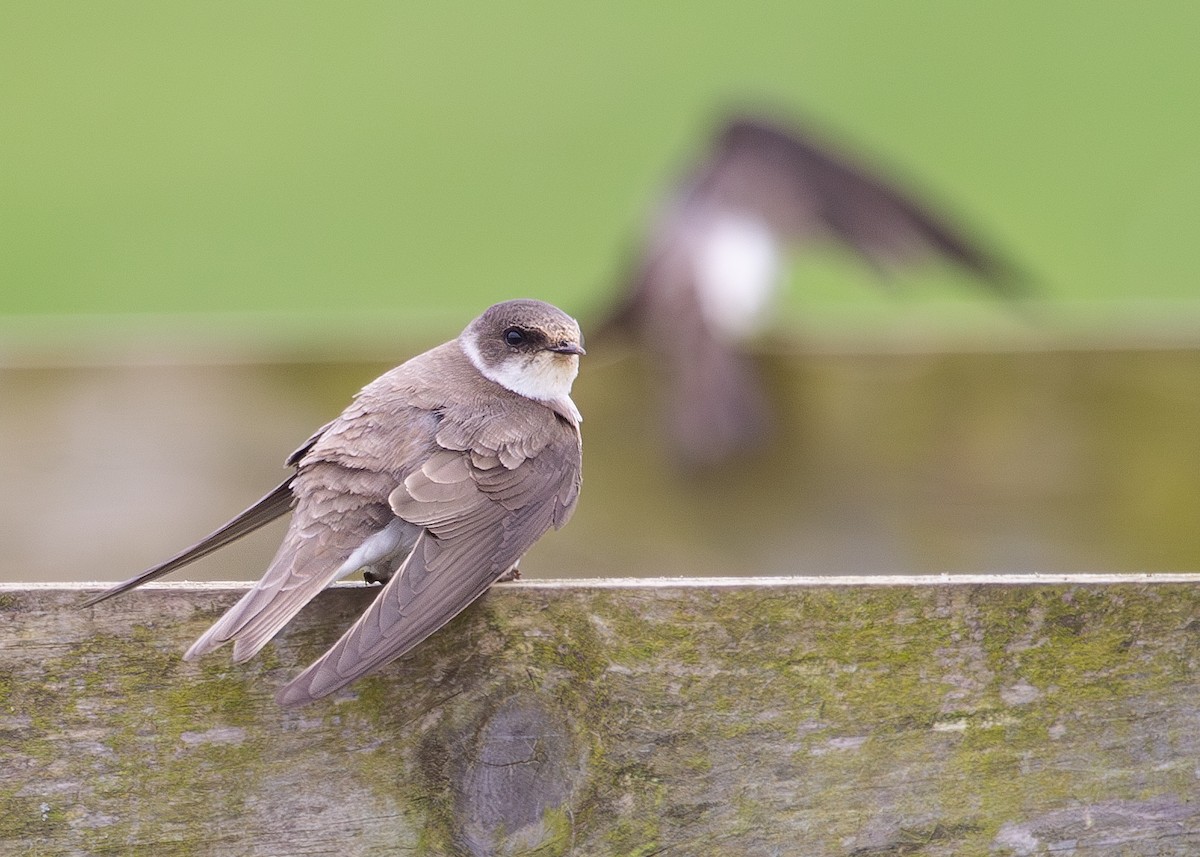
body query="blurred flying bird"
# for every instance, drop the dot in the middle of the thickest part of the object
(712, 259)
(435, 480)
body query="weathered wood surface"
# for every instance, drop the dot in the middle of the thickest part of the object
(683, 718)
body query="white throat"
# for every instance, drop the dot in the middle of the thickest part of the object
(736, 272)
(544, 377)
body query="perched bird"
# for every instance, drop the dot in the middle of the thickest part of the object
(435, 480)
(713, 257)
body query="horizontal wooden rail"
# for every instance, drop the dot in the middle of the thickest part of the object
(871, 716)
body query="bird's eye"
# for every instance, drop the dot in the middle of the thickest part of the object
(514, 336)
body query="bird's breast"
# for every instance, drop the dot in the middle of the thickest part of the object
(737, 263)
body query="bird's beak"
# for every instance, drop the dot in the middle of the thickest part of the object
(568, 348)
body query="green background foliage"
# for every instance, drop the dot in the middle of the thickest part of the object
(409, 160)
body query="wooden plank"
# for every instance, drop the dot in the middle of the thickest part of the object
(907, 717)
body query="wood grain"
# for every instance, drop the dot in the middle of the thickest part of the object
(926, 717)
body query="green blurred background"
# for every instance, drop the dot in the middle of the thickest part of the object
(327, 162)
(285, 188)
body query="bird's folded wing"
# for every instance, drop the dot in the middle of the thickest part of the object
(337, 511)
(479, 517)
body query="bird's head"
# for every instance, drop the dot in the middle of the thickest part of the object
(527, 346)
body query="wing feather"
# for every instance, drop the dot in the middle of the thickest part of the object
(802, 188)
(269, 507)
(326, 530)
(470, 538)
(261, 513)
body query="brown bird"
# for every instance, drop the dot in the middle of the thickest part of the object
(438, 477)
(712, 259)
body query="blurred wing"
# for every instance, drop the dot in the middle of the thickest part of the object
(481, 510)
(803, 189)
(702, 282)
(267, 509)
(801, 192)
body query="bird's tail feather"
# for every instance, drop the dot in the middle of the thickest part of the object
(267, 509)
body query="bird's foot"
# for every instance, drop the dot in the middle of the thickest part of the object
(513, 573)
(376, 575)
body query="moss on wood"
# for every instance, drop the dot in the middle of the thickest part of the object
(951, 719)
